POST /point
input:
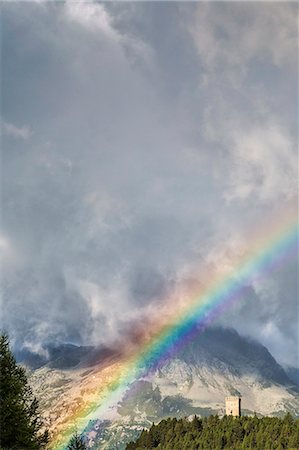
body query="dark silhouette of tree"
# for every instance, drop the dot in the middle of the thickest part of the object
(77, 442)
(20, 421)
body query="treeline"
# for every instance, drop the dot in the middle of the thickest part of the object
(213, 433)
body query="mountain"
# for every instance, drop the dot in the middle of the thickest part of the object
(65, 356)
(217, 363)
(293, 374)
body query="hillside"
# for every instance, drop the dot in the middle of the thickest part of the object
(219, 362)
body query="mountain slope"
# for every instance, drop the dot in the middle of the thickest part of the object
(219, 362)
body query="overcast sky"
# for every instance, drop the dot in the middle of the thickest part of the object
(139, 139)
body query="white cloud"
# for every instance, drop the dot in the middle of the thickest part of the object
(95, 18)
(92, 16)
(232, 39)
(259, 153)
(104, 305)
(36, 347)
(276, 341)
(8, 253)
(263, 163)
(4, 244)
(9, 129)
(229, 36)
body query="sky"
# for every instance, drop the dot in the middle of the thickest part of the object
(140, 141)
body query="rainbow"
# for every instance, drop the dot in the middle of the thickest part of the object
(266, 250)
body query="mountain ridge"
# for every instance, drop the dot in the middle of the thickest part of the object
(217, 363)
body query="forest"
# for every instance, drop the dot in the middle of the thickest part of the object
(238, 433)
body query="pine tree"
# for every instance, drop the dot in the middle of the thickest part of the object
(77, 442)
(20, 422)
(229, 433)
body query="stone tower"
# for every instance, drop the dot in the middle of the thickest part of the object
(233, 406)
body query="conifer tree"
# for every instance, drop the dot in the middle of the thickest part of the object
(229, 433)
(77, 442)
(20, 422)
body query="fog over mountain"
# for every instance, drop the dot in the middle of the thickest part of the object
(140, 142)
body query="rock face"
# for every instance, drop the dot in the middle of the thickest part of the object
(217, 364)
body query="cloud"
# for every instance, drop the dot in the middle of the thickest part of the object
(92, 16)
(95, 18)
(242, 48)
(263, 163)
(8, 129)
(150, 159)
(230, 38)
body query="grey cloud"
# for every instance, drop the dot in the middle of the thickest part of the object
(119, 192)
(230, 37)
(241, 66)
